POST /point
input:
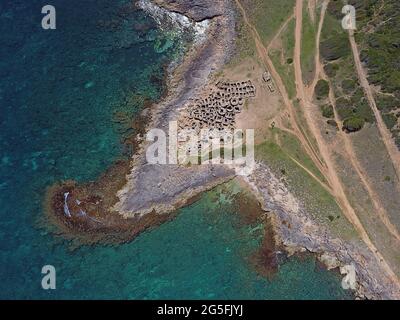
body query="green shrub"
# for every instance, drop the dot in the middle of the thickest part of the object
(397, 141)
(363, 110)
(357, 95)
(344, 108)
(335, 47)
(335, 9)
(322, 89)
(381, 47)
(349, 86)
(331, 69)
(390, 120)
(387, 103)
(387, 179)
(327, 111)
(353, 124)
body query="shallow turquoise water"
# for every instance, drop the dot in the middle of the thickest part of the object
(59, 93)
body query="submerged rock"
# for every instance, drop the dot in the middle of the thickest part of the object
(329, 260)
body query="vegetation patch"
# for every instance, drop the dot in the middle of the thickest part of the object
(334, 40)
(308, 46)
(349, 86)
(390, 120)
(285, 71)
(245, 46)
(379, 38)
(327, 111)
(363, 110)
(331, 69)
(354, 113)
(283, 58)
(322, 89)
(386, 103)
(353, 124)
(351, 105)
(316, 200)
(336, 47)
(344, 108)
(292, 147)
(268, 15)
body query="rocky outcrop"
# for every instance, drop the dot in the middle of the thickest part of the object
(198, 10)
(162, 187)
(131, 198)
(296, 231)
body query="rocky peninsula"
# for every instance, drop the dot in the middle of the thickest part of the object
(132, 196)
(135, 195)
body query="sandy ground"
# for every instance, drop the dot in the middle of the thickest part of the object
(261, 111)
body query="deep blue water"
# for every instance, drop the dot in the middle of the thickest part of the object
(60, 91)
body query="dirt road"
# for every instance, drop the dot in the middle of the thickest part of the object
(318, 66)
(322, 159)
(332, 175)
(350, 154)
(263, 53)
(392, 150)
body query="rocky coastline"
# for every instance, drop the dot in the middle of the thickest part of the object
(296, 232)
(134, 196)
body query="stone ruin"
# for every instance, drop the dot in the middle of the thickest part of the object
(218, 109)
(212, 117)
(268, 80)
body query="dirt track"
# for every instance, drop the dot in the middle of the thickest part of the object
(348, 146)
(392, 150)
(263, 53)
(322, 159)
(331, 173)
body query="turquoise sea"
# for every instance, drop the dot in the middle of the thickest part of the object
(61, 92)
